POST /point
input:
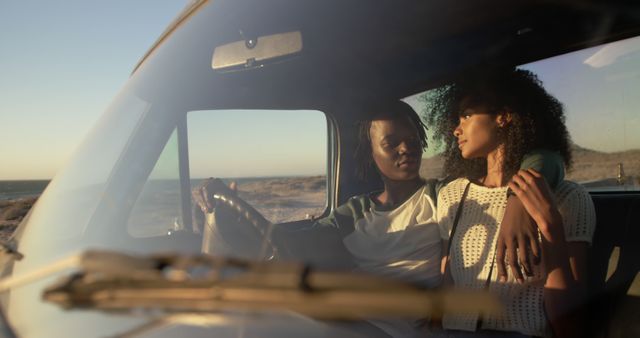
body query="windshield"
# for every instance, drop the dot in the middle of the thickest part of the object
(129, 186)
(239, 184)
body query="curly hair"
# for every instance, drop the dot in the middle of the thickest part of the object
(537, 118)
(394, 110)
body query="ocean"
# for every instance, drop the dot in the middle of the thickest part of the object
(27, 188)
(158, 207)
(17, 189)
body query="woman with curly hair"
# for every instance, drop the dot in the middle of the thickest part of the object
(488, 122)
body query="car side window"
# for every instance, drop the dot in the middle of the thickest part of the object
(157, 210)
(599, 88)
(278, 159)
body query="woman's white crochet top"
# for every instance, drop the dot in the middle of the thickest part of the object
(473, 252)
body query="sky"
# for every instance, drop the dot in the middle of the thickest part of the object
(599, 89)
(273, 155)
(62, 62)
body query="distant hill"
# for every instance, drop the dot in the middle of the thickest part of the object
(592, 165)
(588, 165)
(580, 151)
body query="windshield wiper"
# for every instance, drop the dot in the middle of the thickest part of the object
(174, 283)
(9, 247)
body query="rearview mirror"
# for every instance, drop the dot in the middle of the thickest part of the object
(253, 52)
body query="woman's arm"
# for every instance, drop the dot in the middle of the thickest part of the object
(321, 242)
(518, 232)
(565, 288)
(546, 162)
(565, 262)
(318, 242)
(445, 224)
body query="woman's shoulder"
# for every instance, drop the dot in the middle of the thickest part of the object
(452, 191)
(357, 204)
(577, 210)
(569, 189)
(344, 216)
(456, 185)
(573, 196)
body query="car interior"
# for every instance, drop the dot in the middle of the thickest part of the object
(336, 59)
(369, 54)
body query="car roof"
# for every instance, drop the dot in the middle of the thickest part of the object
(397, 49)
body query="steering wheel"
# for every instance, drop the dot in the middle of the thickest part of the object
(214, 240)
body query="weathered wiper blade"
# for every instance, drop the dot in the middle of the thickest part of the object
(9, 247)
(175, 283)
(86, 261)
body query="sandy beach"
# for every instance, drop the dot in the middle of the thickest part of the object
(12, 212)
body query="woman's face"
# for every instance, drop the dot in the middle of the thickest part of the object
(396, 149)
(477, 132)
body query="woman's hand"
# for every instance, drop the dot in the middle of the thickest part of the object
(537, 199)
(518, 234)
(202, 194)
